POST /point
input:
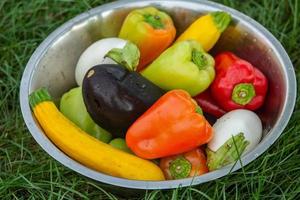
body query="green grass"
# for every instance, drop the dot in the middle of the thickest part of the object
(27, 172)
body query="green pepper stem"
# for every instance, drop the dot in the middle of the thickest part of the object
(221, 20)
(128, 56)
(180, 168)
(228, 153)
(199, 59)
(243, 93)
(154, 21)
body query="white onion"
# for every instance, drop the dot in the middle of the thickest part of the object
(94, 55)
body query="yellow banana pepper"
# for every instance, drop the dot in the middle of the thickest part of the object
(207, 29)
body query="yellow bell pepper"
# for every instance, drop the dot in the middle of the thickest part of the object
(207, 29)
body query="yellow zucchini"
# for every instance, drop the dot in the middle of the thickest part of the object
(207, 29)
(86, 149)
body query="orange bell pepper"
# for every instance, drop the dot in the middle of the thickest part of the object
(170, 126)
(151, 30)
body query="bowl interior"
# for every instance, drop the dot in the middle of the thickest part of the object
(55, 66)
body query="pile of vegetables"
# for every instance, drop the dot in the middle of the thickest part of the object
(140, 109)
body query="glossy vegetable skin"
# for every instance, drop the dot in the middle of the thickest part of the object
(170, 126)
(95, 55)
(207, 29)
(235, 133)
(120, 143)
(116, 97)
(151, 30)
(188, 164)
(233, 123)
(238, 84)
(72, 106)
(208, 104)
(86, 149)
(184, 65)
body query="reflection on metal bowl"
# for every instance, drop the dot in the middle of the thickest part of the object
(53, 63)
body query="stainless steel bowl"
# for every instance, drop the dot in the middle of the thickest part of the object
(53, 62)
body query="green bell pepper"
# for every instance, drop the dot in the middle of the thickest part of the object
(185, 65)
(120, 143)
(72, 106)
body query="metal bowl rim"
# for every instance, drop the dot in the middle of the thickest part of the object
(58, 155)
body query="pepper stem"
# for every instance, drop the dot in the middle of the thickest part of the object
(228, 153)
(243, 93)
(154, 21)
(199, 59)
(128, 56)
(221, 20)
(180, 168)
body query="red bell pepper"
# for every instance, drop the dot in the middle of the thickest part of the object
(170, 126)
(208, 104)
(238, 84)
(188, 164)
(224, 60)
